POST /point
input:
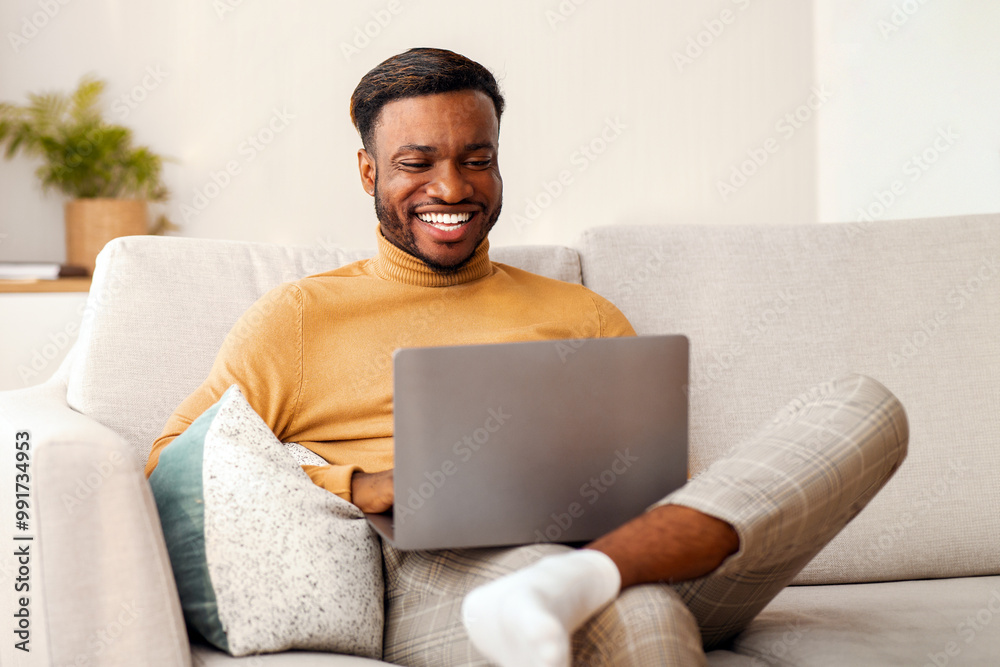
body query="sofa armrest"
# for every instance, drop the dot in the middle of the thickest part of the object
(101, 588)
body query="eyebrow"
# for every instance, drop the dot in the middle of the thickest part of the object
(416, 147)
(420, 148)
(480, 146)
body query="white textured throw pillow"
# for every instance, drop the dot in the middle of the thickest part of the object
(264, 559)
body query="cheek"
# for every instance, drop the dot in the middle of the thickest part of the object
(497, 184)
(490, 183)
(399, 193)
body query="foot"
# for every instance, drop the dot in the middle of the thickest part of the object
(526, 618)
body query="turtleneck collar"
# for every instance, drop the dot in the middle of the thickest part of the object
(391, 263)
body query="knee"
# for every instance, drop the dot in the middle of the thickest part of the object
(854, 407)
(644, 621)
(878, 410)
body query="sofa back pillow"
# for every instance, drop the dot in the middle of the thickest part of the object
(774, 310)
(160, 307)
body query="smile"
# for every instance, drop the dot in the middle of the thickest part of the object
(445, 221)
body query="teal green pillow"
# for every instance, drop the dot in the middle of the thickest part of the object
(264, 559)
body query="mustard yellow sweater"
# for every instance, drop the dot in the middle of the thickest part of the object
(314, 357)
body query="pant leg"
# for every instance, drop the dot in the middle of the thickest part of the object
(423, 599)
(646, 625)
(788, 491)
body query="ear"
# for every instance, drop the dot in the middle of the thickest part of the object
(366, 167)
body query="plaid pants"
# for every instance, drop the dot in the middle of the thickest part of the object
(788, 490)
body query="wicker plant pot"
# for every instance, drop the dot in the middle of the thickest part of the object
(91, 223)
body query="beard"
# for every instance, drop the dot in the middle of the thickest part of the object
(400, 234)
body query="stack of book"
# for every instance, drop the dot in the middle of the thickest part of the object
(38, 271)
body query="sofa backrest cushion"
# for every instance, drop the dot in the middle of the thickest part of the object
(160, 307)
(773, 310)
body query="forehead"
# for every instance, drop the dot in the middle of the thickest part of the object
(441, 120)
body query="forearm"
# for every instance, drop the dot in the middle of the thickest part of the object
(670, 543)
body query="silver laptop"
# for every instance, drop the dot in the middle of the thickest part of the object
(550, 441)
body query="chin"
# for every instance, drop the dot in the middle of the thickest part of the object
(447, 262)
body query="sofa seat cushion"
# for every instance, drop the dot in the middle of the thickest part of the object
(203, 655)
(932, 622)
(892, 623)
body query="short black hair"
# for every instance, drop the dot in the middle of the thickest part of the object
(419, 71)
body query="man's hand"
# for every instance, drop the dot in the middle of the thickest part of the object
(372, 491)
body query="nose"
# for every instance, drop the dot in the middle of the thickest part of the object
(449, 184)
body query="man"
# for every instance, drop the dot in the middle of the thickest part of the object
(690, 573)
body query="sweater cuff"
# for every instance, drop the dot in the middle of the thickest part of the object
(333, 478)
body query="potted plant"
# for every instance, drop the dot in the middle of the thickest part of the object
(109, 180)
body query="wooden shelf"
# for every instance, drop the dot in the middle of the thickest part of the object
(58, 285)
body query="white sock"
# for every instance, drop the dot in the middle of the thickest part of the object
(525, 619)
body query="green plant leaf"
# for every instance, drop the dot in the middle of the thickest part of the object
(83, 155)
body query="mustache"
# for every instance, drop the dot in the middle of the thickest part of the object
(433, 201)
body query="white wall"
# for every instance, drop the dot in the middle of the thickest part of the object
(917, 106)
(568, 70)
(41, 329)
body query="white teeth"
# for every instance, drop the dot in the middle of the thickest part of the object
(445, 220)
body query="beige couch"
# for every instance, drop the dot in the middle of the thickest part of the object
(770, 311)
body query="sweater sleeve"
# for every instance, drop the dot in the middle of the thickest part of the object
(263, 354)
(334, 478)
(613, 321)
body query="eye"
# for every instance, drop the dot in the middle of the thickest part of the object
(480, 164)
(414, 164)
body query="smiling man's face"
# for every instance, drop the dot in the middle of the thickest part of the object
(434, 175)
